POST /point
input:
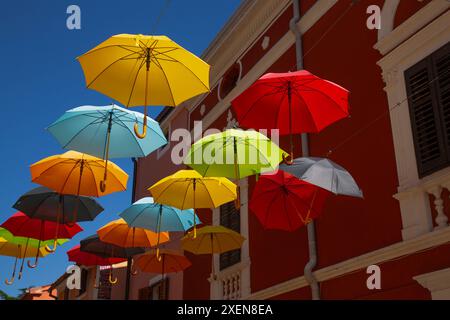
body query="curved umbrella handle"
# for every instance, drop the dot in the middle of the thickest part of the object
(32, 266)
(103, 185)
(51, 250)
(144, 130)
(134, 272)
(289, 160)
(11, 281)
(111, 280)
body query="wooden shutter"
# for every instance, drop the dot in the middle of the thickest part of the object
(429, 111)
(230, 218)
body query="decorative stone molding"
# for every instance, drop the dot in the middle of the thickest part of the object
(265, 43)
(387, 18)
(437, 282)
(413, 192)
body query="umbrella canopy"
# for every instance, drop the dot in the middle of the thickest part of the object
(140, 70)
(31, 242)
(145, 213)
(89, 259)
(326, 174)
(293, 102)
(186, 189)
(21, 225)
(43, 203)
(106, 132)
(283, 202)
(234, 154)
(78, 174)
(212, 239)
(119, 233)
(169, 262)
(94, 245)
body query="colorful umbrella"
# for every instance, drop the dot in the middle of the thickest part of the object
(187, 189)
(147, 214)
(293, 102)
(45, 204)
(119, 233)
(140, 70)
(212, 239)
(94, 245)
(18, 251)
(283, 202)
(169, 261)
(89, 259)
(234, 154)
(106, 132)
(77, 174)
(21, 225)
(326, 174)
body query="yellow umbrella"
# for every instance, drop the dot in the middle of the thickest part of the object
(212, 239)
(118, 232)
(142, 70)
(187, 189)
(19, 251)
(78, 174)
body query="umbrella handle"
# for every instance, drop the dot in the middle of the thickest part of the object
(32, 266)
(144, 130)
(51, 250)
(11, 281)
(237, 202)
(102, 185)
(289, 160)
(110, 279)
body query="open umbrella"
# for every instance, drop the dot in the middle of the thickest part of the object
(45, 204)
(141, 70)
(94, 245)
(90, 259)
(77, 174)
(187, 189)
(19, 251)
(326, 174)
(21, 225)
(293, 102)
(212, 239)
(234, 154)
(106, 132)
(119, 233)
(283, 202)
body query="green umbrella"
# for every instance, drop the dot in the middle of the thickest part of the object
(234, 154)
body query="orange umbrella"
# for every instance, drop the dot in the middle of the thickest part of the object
(169, 261)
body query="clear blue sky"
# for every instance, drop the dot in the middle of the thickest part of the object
(40, 79)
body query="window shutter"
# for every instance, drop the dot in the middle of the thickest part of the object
(425, 112)
(230, 218)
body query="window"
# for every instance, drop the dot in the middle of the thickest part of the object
(230, 218)
(84, 280)
(428, 90)
(104, 287)
(157, 291)
(229, 80)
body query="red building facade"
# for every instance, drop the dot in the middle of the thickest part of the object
(401, 225)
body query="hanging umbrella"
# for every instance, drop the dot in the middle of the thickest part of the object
(187, 189)
(94, 245)
(283, 202)
(119, 233)
(106, 132)
(169, 261)
(147, 214)
(18, 251)
(45, 204)
(90, 259)
(77, 174)
(234, 154)
(140, 70)
(212, 239)
(293, 102)
(21, 225)
(326, 174)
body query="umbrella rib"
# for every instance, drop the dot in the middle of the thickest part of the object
(122, 46)
(258, 100)
(135, 140)
(167, 81)
(79, 131)
(326, 96)
(134, 82)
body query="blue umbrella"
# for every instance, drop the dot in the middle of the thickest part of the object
(106, 132)
(147, 214)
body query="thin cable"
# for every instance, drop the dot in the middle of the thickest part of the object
(160, 15)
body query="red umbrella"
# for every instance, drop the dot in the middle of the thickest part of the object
(284, 202)
(293, 102)
(90, 259)
(21, 225)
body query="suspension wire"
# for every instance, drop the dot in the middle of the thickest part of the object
(162, 12)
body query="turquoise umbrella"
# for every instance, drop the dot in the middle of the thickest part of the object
(147, 214)
(106, 132)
